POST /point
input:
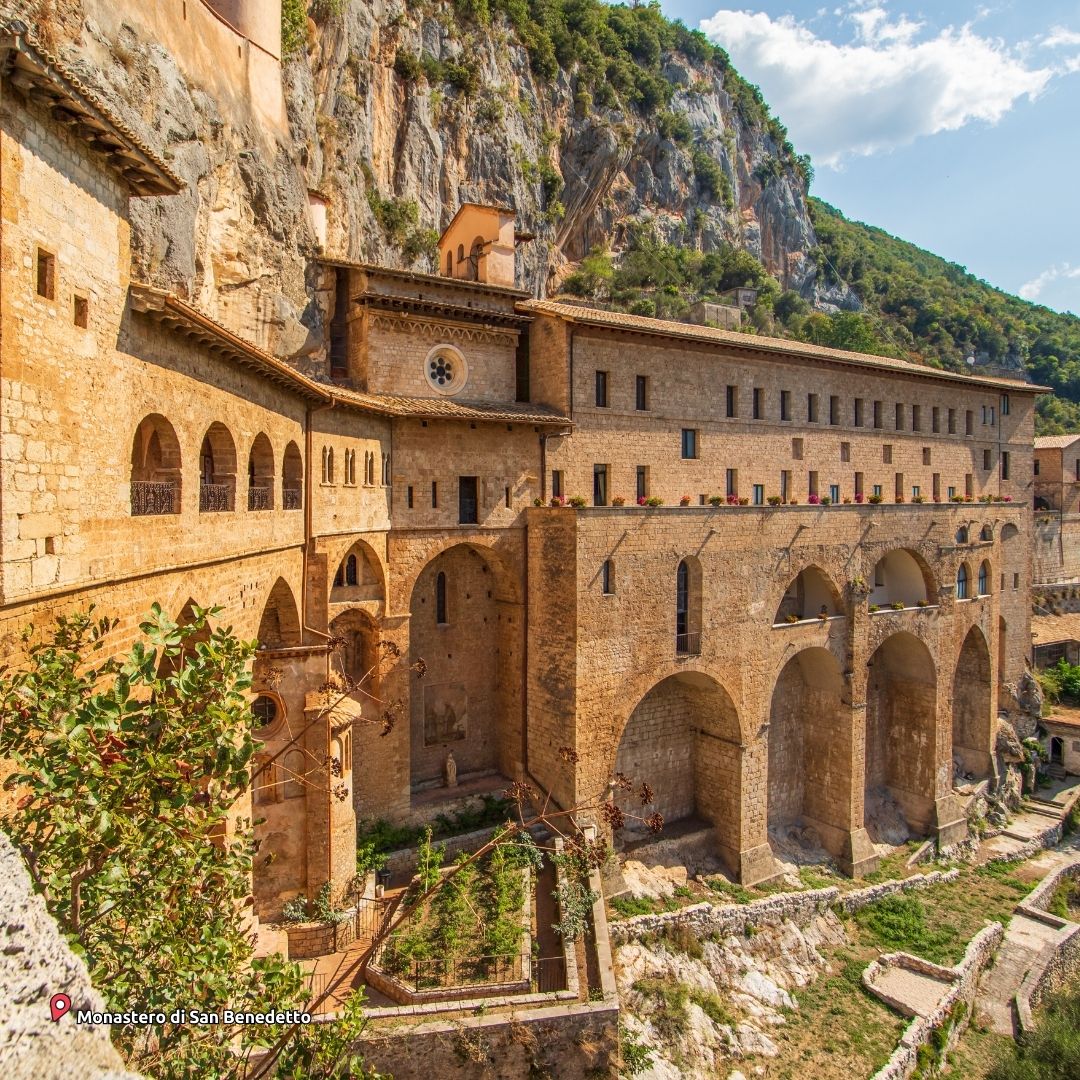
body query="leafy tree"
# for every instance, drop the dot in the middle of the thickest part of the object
(131, 770)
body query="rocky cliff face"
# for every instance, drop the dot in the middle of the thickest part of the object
(396, 151)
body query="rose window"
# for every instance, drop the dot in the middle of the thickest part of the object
(446, 370)
(441, 370)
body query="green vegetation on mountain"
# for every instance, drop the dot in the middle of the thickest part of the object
(935, 311)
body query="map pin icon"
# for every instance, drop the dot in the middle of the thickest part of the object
(58, 1005)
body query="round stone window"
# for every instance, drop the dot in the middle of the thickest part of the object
(446, 370)
(265, 709)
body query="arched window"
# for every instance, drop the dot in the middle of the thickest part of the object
(608, 577)
(261, 474)
(688, 607)
(984, 578)
(266, 790)
(386, 470)
(962, 582)
(155, 468)
(326, 464)
(265, 710)
(217, 469)
(682, 602)
(350, 570)
(293, 766)
(440, 600)
(962, 535)
(987, 533)
(292, 479)
(449, 264)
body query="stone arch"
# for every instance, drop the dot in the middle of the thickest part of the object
(472, 709)
(963, 534)
(683, 739)
(279, 627)
(1008, 531)
(292, 478)
(357, 656)
(358, 577)
(972, 709)
(810, 762)
(170, 665)
(901, 739)
(217, 469)
(156, 473)
(688, 593)
(902, 576)
(261, 474)
(809, 591)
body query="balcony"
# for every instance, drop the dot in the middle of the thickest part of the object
(688, 644)
(292, 498)
(215, 498)
(258, 498)
(152, 497)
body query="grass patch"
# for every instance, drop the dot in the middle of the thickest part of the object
(629, 906)
(729, 890)
(1065, 902)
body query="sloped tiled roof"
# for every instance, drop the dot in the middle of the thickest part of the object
(1055, 442)
(45, 79)
(617, 320)
(437, 408)
(1046, 629)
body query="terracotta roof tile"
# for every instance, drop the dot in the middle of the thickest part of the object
(1048, 628)
(590, 316)
(437, 408)
(23, 59)
(1055, 442)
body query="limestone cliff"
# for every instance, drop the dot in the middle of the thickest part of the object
(392, 106)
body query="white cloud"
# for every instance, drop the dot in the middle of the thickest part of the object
(1059, 38)
(891, 85)
(1033, 289)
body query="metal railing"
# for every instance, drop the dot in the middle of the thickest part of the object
(291, 498)
(317, 983)
(259, 498)
(688, 644)
(372, 916)
(153, 497)
(443, 972)
(548, 974)
(214, 498)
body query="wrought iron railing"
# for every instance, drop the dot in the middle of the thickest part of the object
(443, 972)
(153, 497)
(688, 644)
(215, 497)
(291, 498)
(258, 498)
(548, 974)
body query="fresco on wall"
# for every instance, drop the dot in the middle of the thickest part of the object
(445, 713)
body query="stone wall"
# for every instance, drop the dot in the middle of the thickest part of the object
(35, 963)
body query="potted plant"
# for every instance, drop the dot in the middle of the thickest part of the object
(538, 501)
(578, 501)
(897, 605)
(641, 500)
(654, 500)
(684, 500)
(922, 603)
(733, 500)
(715, 500)
(813, 500)
(874, 607)
(875, 499)
(744, 501)
(618, 500)
(899, 498)
(858, 496)
(793, 502)
(791, 618)
(823, 614)
(847, 500)
(826, 500)
(557, 500)
(774, 500)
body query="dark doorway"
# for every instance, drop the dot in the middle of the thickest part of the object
(467, 501)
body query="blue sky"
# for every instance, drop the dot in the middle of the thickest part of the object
(955, 126)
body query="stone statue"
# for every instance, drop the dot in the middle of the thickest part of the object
(451, 770)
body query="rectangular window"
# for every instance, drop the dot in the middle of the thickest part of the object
(506, 496)
(785, 484)
(845, 451)
(952, 421)
(916, 418)
(1004, 464)
(811, 408)
(557, 483)
(1016, 581)
(886, 453)
(601, 389)
(916, 491)
(642, 393)
(969, 422)
(608, 578)
(898, 485)
(969, 485)
(468, 504)
(81, 312)
(858, 483)
(689, 442)
(877, 490)
(950, 493)
(993, 418)
(759, 494)
(642, 482)
(834, 492)
(986, 459)
(937, 487)
(599, 485)
(812, 482)
(926, 455)
(434, 494)
(409, 497)
(935, 420)
(785, 404)
(899, 416)
(732, 401)
(1036, 466)
(759, 402)
(858, 413)
(834, 410)
(984, 410)
(797, 449)
(877, 414)
(1078, 468)
(732, 486)
(46, 274)
(1004, 404)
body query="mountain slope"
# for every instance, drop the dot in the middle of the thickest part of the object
(935, 311)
